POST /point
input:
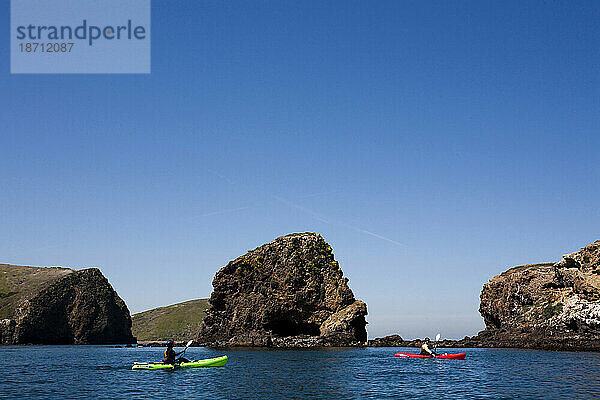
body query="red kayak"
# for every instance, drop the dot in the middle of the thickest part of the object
(458, 356)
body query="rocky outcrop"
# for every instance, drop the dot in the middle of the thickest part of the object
(551, 306)
(346, 325)
(61, 306)
(397, 341)
(287, 293)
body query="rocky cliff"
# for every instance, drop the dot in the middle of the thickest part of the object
(552, 306)
(60, 306)
(287, 293)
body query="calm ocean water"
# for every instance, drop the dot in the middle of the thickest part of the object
(97, 372)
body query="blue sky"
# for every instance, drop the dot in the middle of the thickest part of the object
(432, 144)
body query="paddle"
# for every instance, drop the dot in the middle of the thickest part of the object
(186, 346)
(437, 338)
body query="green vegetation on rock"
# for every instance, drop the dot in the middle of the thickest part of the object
(526, 266)
(552, 309)
(178, 321)
(18, 283)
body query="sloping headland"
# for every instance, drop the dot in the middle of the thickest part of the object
(175, 322)
(60, 306)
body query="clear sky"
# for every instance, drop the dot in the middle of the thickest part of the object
(432, 144)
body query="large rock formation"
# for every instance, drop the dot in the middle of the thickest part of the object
(553, 306)
(60, 306)
(287, 293)
(544, 306)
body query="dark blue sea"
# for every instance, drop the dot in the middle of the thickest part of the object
(99, 372)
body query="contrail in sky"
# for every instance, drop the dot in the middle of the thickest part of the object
(323, 219)
(315, 215)
(376, 235)
(224, 211)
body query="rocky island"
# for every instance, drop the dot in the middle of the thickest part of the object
(287, 293)
(60, 306)
(553, 306)
(549, 306)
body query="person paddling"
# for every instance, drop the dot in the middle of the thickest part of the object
(425, 350)
(170, 355)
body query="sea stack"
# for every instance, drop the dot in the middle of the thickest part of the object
(549, 306)
(287, 293)
(60, 306)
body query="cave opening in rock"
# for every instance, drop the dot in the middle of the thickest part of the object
(572, 325)
(360, 333)
(285, 327)
(492, 320)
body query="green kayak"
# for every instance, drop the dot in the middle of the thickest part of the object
(209, 362)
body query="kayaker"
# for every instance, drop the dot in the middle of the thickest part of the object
(425, 350)
(170, 355)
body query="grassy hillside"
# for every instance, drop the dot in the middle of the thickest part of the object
(179, 321)
(18, 283)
